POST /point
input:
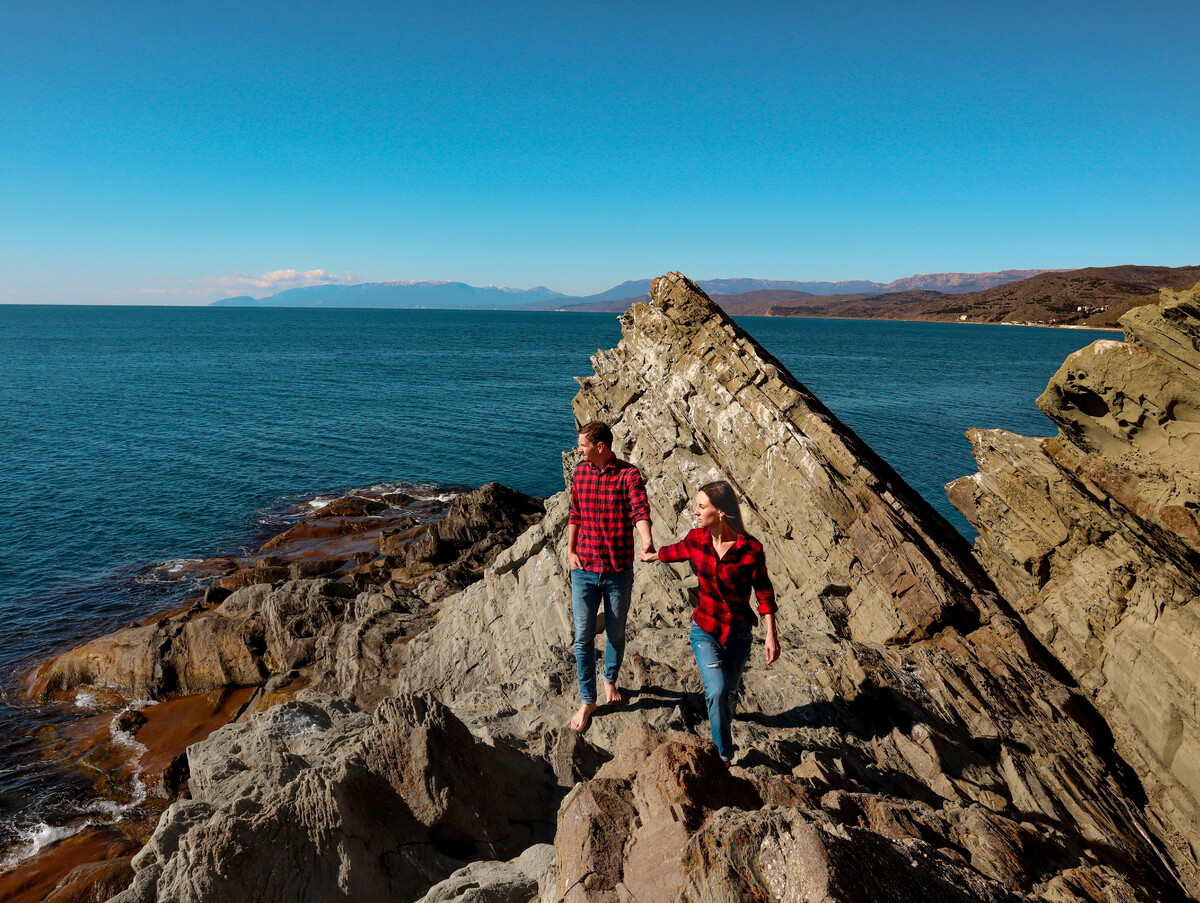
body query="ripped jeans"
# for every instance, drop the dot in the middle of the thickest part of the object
(721, 668)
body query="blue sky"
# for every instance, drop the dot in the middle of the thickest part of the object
(181, 152)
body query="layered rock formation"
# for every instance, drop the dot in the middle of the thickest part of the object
(903, 682)
(1094, 536)
(911, 743)
(322, 605)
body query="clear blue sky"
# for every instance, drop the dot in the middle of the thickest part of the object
(180, 152)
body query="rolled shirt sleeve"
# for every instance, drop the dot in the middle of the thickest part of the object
(639, 505)
(764, 590)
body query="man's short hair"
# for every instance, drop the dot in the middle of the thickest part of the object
(597, 431)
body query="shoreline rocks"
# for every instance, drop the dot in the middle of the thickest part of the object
(1093, 535)
(915, 738)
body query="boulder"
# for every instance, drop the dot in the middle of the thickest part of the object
(316, 800)
(527, 879)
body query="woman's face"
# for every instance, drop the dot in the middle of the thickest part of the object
(706, 515)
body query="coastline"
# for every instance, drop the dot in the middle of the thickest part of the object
(388, 644)
(133, 738)
(1068, 326)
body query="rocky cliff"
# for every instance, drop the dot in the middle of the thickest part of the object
(914, 742)
(1094, 536)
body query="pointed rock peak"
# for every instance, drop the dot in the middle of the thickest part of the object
(692, 397)
(681, 299)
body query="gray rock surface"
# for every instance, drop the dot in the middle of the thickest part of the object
(305, 615)
(903, 677)
(316, 800)
(1092, 536)
(527, 879)
(912, 743)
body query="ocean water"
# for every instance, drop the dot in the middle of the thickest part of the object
(134, 438)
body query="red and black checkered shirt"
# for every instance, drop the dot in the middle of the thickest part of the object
(605, 504)
(725, 583)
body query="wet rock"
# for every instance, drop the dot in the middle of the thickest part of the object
(281, 614)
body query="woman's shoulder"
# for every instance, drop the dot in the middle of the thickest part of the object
(755, 545)
(696, 535)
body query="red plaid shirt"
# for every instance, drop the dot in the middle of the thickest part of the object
(605, 503)
(725, 582)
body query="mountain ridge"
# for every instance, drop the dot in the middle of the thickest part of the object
(448, 294)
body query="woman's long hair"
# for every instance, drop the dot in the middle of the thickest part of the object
(721, 495)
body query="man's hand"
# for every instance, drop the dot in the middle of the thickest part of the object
(648, 552)
(573, 561)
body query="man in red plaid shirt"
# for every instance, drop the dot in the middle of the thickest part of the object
(607, 498)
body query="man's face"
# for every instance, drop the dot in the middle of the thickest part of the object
(593, 452)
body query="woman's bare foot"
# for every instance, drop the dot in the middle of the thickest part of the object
(612, 696)
(583, 717)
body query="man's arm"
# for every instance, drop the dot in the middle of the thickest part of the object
(574, 519)
(643, 528)
(639, 510)
(573, 561)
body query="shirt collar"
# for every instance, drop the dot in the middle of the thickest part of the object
(738, 540)
(613, 464)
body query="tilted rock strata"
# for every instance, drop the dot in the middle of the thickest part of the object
(1093, 537)
(906, 726)
(666, 820)
(853, 549)
(902, 678)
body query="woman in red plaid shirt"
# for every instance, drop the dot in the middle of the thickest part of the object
(729, 562)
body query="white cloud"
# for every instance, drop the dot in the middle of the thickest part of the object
(267, 283)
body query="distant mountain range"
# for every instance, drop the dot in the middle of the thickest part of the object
(451, 295)
(1094, 296)
(459, 295)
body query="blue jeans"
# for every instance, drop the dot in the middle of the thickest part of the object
(588, 589)
(721, 668)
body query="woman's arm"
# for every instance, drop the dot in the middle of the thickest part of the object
(771, 644)
(677, 551)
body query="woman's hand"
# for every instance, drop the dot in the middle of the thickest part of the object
(771, 647)
(645, 555)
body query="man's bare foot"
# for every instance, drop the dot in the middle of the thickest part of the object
(583, 717)
(612, 696)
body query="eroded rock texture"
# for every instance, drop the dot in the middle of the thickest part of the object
(1092, 535)
(317, 800)
(911, 743)
(324, 605)
(903, 684)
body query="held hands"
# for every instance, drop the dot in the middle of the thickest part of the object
(648, 553)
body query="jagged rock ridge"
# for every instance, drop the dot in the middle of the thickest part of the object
(1093, 536)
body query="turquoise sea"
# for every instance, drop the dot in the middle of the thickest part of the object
(136, 437)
